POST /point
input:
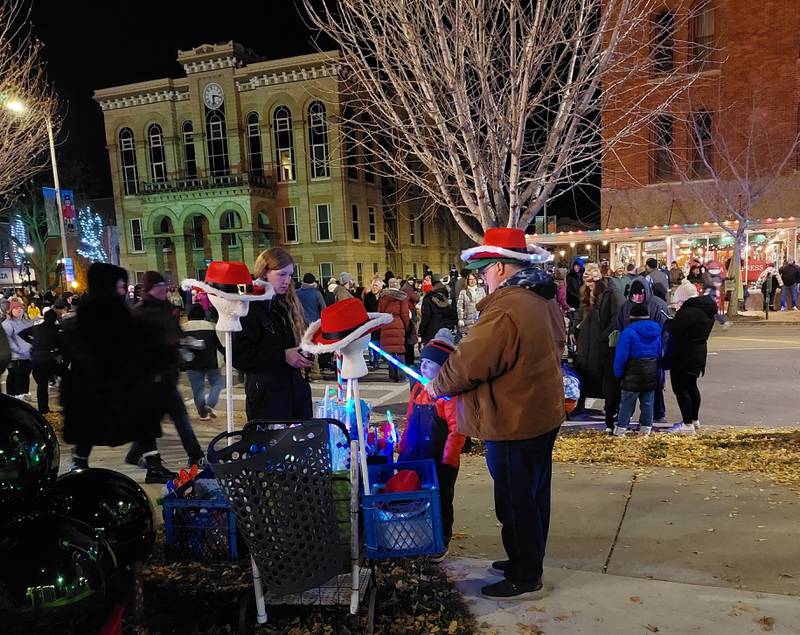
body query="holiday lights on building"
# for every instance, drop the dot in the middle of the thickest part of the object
(19, 238)
(90, 230)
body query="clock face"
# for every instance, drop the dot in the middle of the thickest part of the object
(213, 95)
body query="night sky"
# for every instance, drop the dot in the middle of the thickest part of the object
(91, 45)
(96, 44)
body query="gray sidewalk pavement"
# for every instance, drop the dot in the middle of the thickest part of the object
(677, 550)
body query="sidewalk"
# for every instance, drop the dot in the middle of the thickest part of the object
(693, 546)
(775, 317)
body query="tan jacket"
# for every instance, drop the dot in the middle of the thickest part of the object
(507, 370)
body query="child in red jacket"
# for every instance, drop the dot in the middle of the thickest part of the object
(430, 431)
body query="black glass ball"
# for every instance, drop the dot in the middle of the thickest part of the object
(29, 457)
(55, 570)
(113, 504)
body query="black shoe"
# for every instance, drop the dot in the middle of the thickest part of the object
(132, 458)
(156, 471)
(507, 590)
(199, 461)
(500, 566)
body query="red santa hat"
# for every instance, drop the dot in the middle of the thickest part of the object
(230, 280)
(504, 244)
(341, 324)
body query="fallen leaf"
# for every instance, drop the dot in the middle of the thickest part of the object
(636, 598)
(453, 628)
(767, 623)
(529, 629)
(651, 628)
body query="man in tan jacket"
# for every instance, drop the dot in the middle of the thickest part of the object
(506, 373)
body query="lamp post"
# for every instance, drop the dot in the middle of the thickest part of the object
(25, 253)
(19, 107)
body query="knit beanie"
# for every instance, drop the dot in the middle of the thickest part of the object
(345, 278)
(636, 287)
(309, 278)
(439, 348)
(151, 279)
(639, 312)
(394, 283)
(103, 277)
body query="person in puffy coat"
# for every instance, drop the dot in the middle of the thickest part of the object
(18, 382)
(636, 364)
(437, 313)
(393, 335)
(45, 340)
(468, 298)
(689, 331)
(411, 334)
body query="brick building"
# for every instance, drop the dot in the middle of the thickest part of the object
(241, 154)
(746, 57)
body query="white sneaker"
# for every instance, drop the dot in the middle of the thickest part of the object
(645, 431)
(211, 412)
(783, 308)
(794, 308)
(682, 428)
(696, 425)
(619, 431)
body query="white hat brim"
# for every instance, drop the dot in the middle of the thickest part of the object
(535, 254)
(308, 344)
(268, 294)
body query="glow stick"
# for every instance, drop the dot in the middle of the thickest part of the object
(406, 369)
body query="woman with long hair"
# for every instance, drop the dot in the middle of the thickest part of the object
(266, 349)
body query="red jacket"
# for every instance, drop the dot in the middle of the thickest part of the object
(393, 335)
(446, 410)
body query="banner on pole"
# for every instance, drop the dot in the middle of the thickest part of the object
(69, 270)
(51, 209)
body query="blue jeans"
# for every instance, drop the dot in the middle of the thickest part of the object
(785, 291)
(197, 380)
(628, 403)
(522, 472)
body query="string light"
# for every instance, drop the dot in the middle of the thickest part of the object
(20, 236)
(90, 230)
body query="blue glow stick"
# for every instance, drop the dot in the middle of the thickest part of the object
(406, 369)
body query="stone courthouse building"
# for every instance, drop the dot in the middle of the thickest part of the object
(242, 154)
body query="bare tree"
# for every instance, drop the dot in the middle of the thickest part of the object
(489, 107)
(730, 168)
(28, 209)
(26, 99)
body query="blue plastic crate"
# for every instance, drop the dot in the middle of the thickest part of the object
(403, 524)
(200, 529)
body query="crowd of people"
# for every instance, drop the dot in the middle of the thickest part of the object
(630, 325)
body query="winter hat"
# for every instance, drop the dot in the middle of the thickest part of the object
(341, 324)
(345, 278)
(637, 287)
(196, 312)
(439, 348)
(332, 284)
(394, 283)
(639, 312)
(150, 279)
(309, 278)
(103, 278)
(504, 244)
(592, 273)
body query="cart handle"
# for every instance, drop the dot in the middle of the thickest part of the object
(304, 422)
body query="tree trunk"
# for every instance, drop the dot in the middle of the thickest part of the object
(735, 273)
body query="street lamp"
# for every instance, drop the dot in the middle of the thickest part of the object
(19, 107)
(25, 253)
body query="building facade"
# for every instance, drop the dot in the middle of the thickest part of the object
(242, 154)
(742, 112)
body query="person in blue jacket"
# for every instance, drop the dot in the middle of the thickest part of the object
(636, 364)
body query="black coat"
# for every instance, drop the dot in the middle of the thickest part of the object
(790, 274)
(437, 313)
(593, 357)
(114, 386)
(689, 330)
(641, 375)
(205, 358)
(45, 341)
(273, 389)
(574, 282)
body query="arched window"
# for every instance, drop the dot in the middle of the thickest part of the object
(189, 158)
(155, 144)
(229, 221)
(254, 145)
(702, 146)
(127, 159)
(284, 143)
(165, 226)
(217, 143)
(664, 42)
(318, 140)
(701, 34)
